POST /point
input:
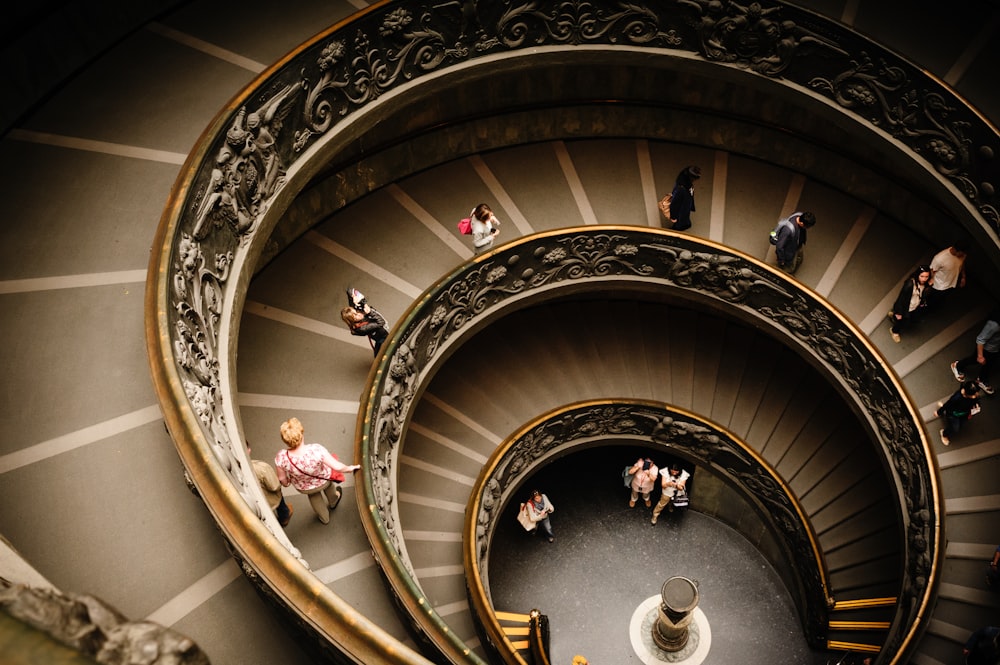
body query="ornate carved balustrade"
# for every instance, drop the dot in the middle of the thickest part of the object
(552, 264)
(326, 103)
(678, 432)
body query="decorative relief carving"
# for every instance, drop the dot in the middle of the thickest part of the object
(397, 43)
(94, 628)
(248, 170)
(752, 35)
(696, 439)
(685, 264)
(199, 291)
(577, 22)
(905, 105)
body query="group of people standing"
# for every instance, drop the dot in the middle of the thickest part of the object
(643, 477)
(964, 402)
(927, 288)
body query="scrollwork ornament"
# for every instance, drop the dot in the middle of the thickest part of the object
(578, 22)
(753, 35)
(723, 276)
(888, 99)
(696, 440)
(584, 256)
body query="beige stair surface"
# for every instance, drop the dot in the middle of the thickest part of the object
(88, 169)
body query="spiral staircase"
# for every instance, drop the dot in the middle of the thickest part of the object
(117, 520)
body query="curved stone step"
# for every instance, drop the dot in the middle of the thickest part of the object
(866, 568)
(753, 391)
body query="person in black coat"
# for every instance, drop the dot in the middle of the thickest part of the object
(364, 320)
(983, 646)
(960, 407)
(682, 198)
(911, 301)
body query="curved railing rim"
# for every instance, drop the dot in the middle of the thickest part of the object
(188, 423)
(397, 382)
(482, 510)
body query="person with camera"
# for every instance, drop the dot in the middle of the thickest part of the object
(535, 512)
(673, 482)
(364, 320)
(644, 474)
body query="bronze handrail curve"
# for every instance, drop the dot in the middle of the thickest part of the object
(677, 430)
(545, 265)
(201, 262)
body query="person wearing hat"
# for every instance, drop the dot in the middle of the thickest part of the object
(682, 198)
(911, 301)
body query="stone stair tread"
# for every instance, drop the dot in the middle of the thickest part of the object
(978, 551)
(970, 595)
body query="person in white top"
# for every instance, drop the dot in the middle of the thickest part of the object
(485, 227)
(947, 272)
(671, 481)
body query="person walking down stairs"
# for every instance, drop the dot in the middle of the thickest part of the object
(960, 407)
(987, 348)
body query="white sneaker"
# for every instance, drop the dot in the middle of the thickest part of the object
(954, 370)
(945, 440)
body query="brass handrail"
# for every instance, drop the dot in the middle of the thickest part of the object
(345, 79)
(678, 430)
(543, 266)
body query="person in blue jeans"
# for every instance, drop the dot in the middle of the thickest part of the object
(957, 409)
(267, 478)
(537, 510)
(983, 646)
(987, 351)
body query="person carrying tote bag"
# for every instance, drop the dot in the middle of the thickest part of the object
(534, 512)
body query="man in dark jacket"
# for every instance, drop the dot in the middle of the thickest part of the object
(982, 647)
(790, 238)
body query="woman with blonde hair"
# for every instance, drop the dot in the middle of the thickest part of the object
(311, 468)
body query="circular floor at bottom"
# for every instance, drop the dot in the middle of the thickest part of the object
(608, 559)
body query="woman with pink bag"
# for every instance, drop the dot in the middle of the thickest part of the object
(311, 469)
